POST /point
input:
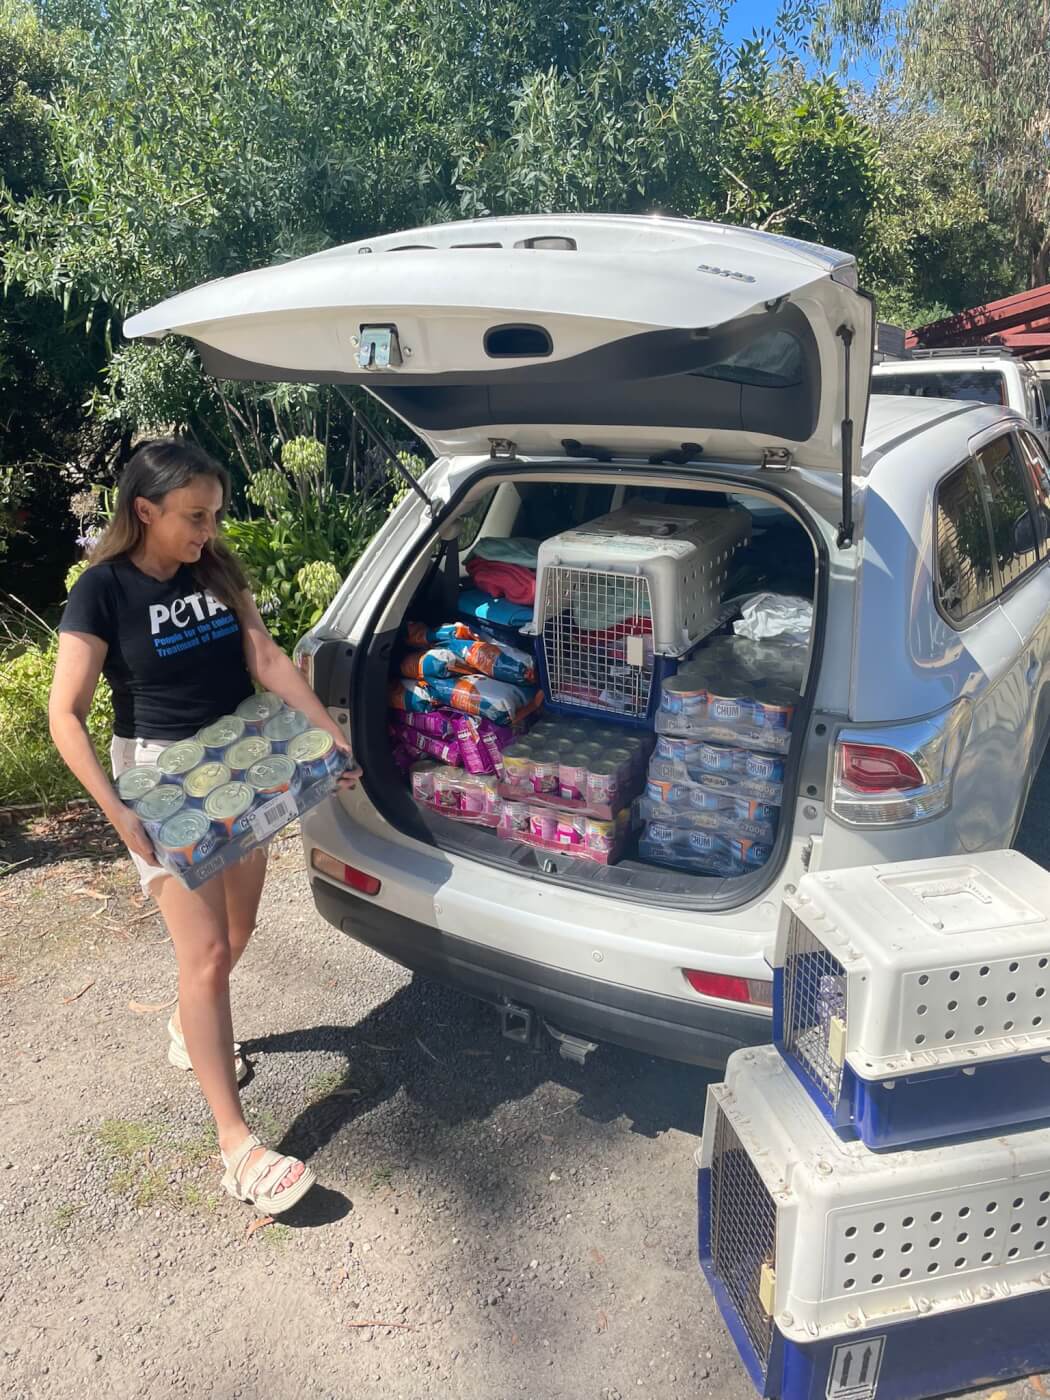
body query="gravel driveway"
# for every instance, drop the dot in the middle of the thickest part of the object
(492, 1222)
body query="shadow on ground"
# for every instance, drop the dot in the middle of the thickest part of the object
(441, 1051)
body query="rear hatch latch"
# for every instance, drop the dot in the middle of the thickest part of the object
(378, 347)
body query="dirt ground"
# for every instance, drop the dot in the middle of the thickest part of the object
(491, 1222)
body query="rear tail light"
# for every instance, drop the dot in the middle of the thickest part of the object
(873, 768)
(752, 991)
(898, 774)
(357, 880)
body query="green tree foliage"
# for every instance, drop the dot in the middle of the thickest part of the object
(986, 65)
(49, 362)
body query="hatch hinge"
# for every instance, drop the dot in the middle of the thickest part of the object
(776, 459)
(502, 449)
(378, 440)
(845, 536)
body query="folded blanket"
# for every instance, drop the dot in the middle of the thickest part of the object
(512, 551)
(500, 612)
(510, 581)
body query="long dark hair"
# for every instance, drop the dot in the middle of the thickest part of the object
(154, 469)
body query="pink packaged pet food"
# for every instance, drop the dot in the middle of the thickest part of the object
(436, 723)
(444, 750)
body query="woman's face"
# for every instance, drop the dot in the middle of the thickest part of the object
(182, 522)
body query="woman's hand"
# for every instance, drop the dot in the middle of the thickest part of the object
(133, 834)
(349, 778)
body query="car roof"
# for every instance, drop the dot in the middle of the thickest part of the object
(895, 417)
(974, 364)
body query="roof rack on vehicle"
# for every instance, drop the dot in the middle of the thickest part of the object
(994, 352)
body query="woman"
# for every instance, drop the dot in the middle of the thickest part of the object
(164, 613)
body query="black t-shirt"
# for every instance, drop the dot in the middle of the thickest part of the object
(176, 657)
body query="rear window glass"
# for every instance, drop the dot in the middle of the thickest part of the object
(965, 577)
(982, 386)
(1013, 532)
(774, 360)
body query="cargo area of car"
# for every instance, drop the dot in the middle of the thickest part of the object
(598, 682)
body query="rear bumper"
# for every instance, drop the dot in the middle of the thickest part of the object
(672, 1027)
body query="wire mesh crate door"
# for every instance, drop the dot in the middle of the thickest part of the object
(743, 1234)
(815, 1010)
(597, 639)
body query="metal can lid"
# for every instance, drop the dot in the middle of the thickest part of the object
(259, 707)
(222, 733)
(247, 751)
(547, 757)
(181, 757)
(162, 802)
(285, 725)
(138, 781)
(230, 800)
(311, 744)
(271, 772)
(604, 767)
(202, 780)
(185, 828)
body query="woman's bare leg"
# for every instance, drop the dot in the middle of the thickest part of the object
(243, 884)
(242, 888)
(197, 922)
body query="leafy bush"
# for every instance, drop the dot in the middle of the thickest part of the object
(30, 768)
(298, 553)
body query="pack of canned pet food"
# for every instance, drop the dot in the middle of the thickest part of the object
(576, 767)
(210, 800)
(734, 692)
(571, 833)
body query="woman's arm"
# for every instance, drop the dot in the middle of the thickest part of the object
(274, 671)
(79, 665)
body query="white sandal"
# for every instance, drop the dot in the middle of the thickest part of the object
(269, 1171)
(179, 1056)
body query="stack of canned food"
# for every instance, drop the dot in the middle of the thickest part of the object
(733, 692)
(566, 786)
(710, 809)
(593, 767)
(204, 792)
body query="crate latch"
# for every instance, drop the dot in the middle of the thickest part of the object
(635, 651)
(378, 347)
(837, 1041)
(767, 1288)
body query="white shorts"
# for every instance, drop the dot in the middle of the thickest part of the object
(130, 753)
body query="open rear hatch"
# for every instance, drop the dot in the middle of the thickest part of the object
(635, 334)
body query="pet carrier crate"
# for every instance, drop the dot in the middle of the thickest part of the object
(913, 1000)
(620, 599)
(846, 1274)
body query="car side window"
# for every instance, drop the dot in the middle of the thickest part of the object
(965, 572)
(1014, 532)
(1039, 484)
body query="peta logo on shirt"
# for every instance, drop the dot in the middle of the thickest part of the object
(189, 622)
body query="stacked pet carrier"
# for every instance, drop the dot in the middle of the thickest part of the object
(621, 599)
(875, 1187)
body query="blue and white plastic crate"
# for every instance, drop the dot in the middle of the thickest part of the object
(620, 599)
(913, 1000)
(845, 1274)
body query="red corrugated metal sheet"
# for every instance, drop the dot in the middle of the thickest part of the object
(1020, 323)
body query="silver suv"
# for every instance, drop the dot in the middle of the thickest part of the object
(559, 368)
(985, 373)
